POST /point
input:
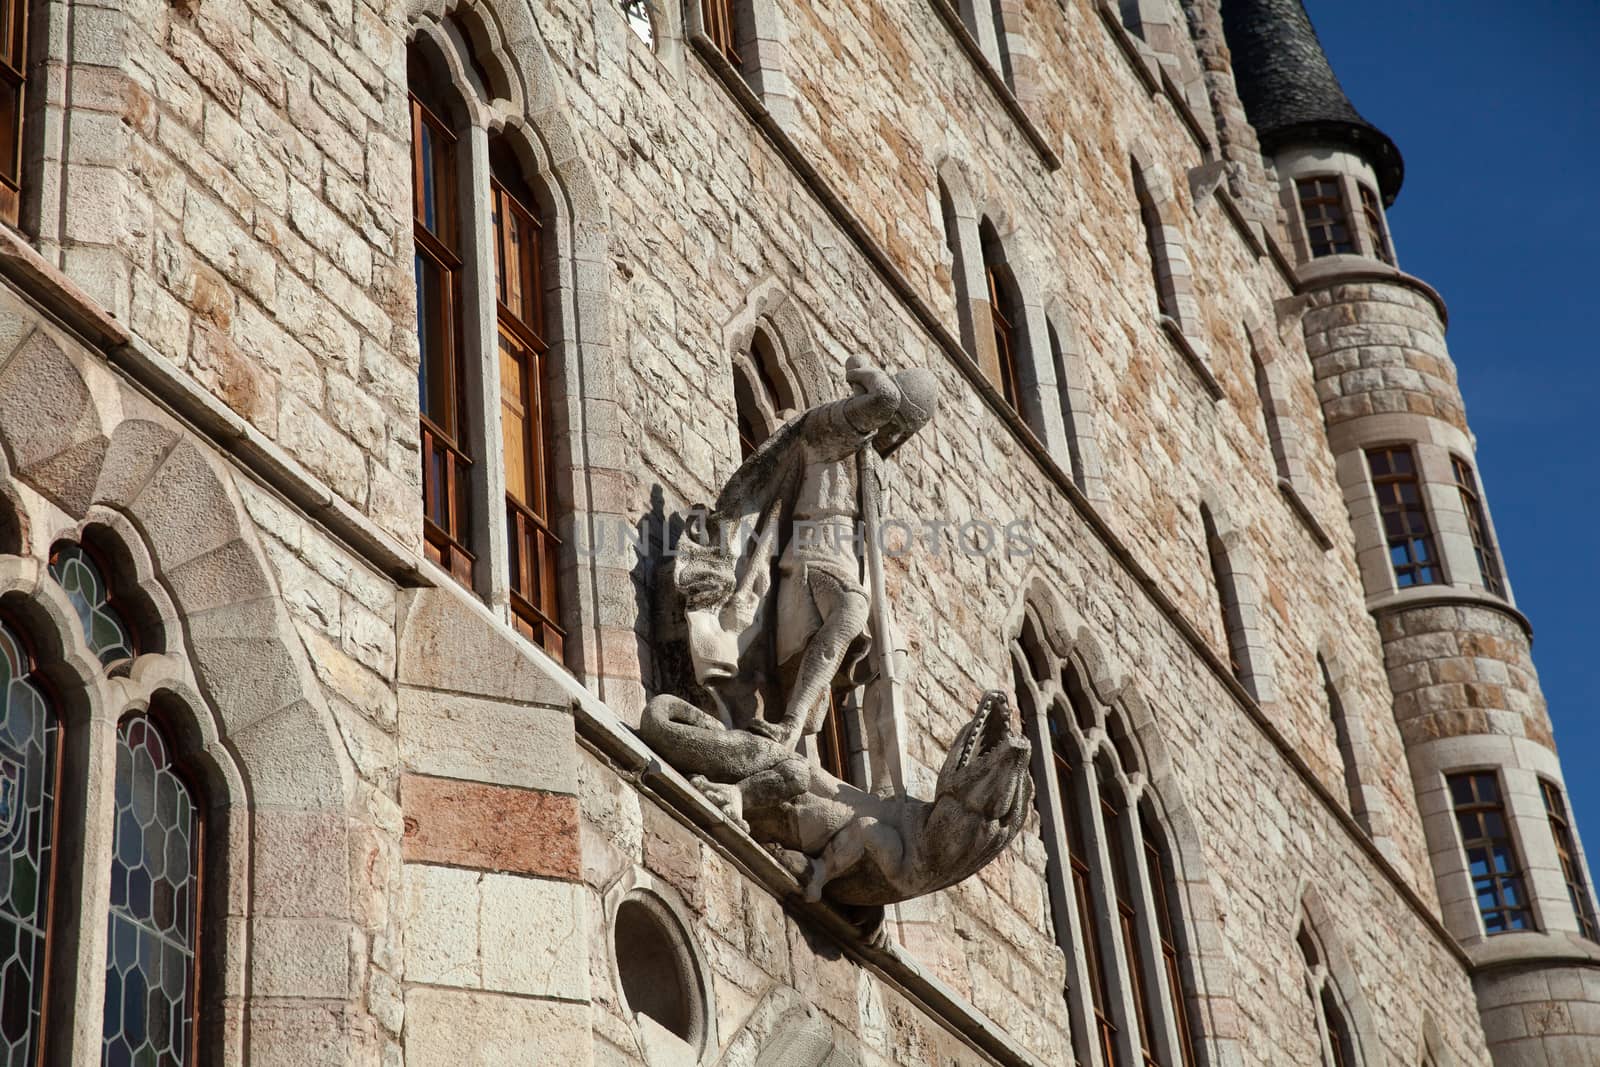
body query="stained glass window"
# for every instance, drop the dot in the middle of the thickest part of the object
(30, 747)
(151, 978)
(107, 632)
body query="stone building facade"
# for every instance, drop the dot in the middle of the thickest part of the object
(313, 759)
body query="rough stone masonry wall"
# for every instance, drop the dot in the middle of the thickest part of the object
(265, 256)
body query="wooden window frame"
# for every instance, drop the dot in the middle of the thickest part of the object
(446, 461)
(534, 547)
(1112, 810)
(1157, 867)
(14, 79)
(1377, 227)
(1555, 808)
(1389, 487)
(833, 740)
(1478, 806)
(721, 19)
(1082, 891)
(1002, 312)
(1325, 212)
(1483, 547)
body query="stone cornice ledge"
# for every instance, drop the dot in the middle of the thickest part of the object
(1153, 75)
(997, 82)
(158, 378)
(1540, 948)
(1191, 355)
(1298, 505)
(601, 732)
(1353, 270)
(1434, 596)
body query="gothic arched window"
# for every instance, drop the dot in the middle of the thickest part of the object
(1005, 315)
(1105, 857)
(1333, 1027)
(534, 548)
(30, 768)
(105, 627)
(152, 958)
(488, 336)
(438, 263)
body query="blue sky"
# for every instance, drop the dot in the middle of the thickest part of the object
(1496, 108)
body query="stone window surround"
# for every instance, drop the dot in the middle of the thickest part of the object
(1040, 402)
(1352, 172)
(1433, 443)
(92, 700)
(448, 47)
(1083, 459)
(1176, 313)
(1326, 979)
(764, 81)
(1520, 766)
(1368, 803)
(1239, 595)
(1284, 435)
(1109, 740)
(972, 24)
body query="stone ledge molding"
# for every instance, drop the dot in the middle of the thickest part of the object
(1329, 271)
(997, 82)
(1443, 596)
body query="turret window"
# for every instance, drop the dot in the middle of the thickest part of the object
(1555, 807)
(1478, 527)
(1377, 229)
(1327, 216)
(1491, 855)
(1412, 551)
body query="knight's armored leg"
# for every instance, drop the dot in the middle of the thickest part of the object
(843, 608)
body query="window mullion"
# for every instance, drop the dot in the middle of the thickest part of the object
(1053, 808)
(1104, 917)
(1163, 1026)
(480, 372)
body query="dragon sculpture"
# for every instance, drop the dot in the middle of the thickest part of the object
(781, 605)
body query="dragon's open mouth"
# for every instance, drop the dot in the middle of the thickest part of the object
(991, 728)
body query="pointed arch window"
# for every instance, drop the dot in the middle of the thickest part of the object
(534, 549)
(437, 267)
(1161, 267)
(30, 748)
(1114, 865)
(152, 957)
(76, 569)
(1270, 419)
(1005, 315)
(1227, 592)
(1333, 1029)
(1069, 419)
(1347, 753)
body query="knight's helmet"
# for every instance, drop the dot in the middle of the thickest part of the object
(919, 397)
(1511, 880)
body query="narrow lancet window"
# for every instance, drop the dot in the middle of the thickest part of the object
(1492, 860)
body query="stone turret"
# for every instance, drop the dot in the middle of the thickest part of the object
(1512, 883)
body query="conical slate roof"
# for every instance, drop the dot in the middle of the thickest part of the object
(1290, 92)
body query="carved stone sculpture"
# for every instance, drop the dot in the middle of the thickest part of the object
(783, 595)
